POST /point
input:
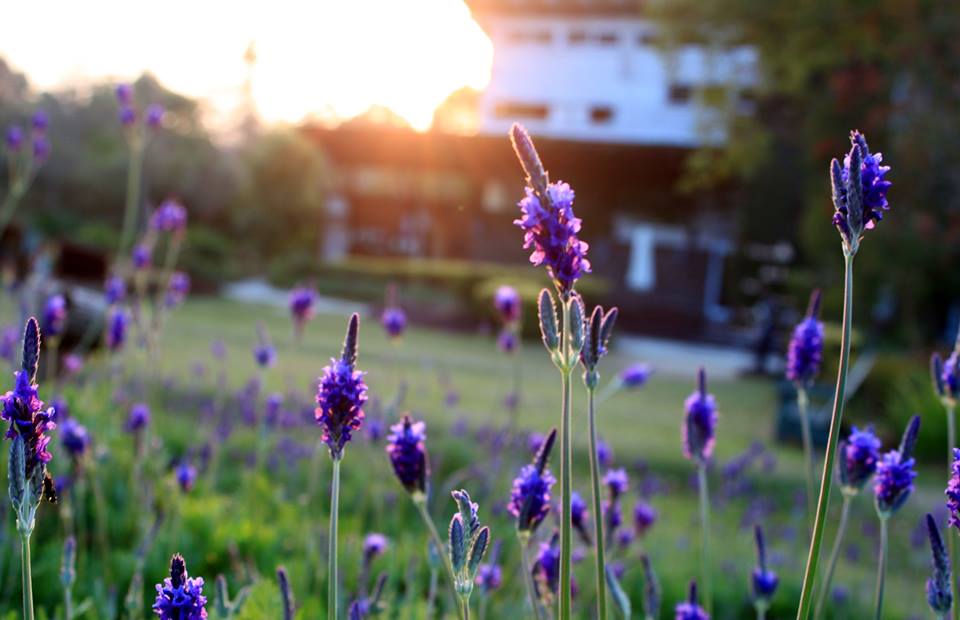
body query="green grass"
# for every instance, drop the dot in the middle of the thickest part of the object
(247, 524)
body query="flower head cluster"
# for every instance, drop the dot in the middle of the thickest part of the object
(142, 256)
(644, 516)
(506, 301)
(893, 481)
(341, 395)
(186, 475)
(302, 300)
(939, 595)
(170, 217)
(859, 191)
(177, 289)
(546, 569)
(114, 290)
(55, 315)
(530, 496)
(117, 321)
(763, 580)
(24, 410)
(689, 609)
(806, 346)
(373, 545)
(547, 219)
(138, 418)
(180, 597)
(394, 321)
(635, 375)
(700, 422)
(74, 437)
(953, 490)
(15, 139)
(859, 455)
(946, 375)
(578, 516)
(128, 112)
(406, 447)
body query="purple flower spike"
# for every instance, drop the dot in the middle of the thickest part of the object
(806, 345)
(142, 256)
(14, 138)
(644, 516)
(604, 453)
(124, 94)
(579, 515)
(301, 304)
(155, 113)
(893, 482)
(490, 575)
(41, 149)
(180, 597)
(506, 300)
(507, 341)
(394, 321)
(74, 437)
(373, 545)
(39, 121)
(406, 446)
(530, 496)
(186, 475)
(263, 353)
(55, 315)
(177, 289)
(114, 290)
(700, 422)
(617, 482)
(860, 454)
(341, 395)
(859, 191)
(138, 418)
(950, 375)
(547, 219)
(547, 566)
(117, 321)
(763, 580)
(170, 217)
(689, 609)
(127, 116)
(939, 595)
(953, 491)
(635, 375)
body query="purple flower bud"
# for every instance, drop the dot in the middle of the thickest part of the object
(507, 340)
(506, 300)
(72, 364)
(138, 418)
(617, 482)
(806, 346)
(893, 482)
(41, 149)
(124, 93)
(644, 516)
(489, 577)
(635, 375)
(950, 375)
(155, 113)
(859, 454)
(939, 595)
(341, 395)
(578, 516)
(127, 115)
(39, 121)
(301, 305)
(373, 545)
(547, 565)
(14, 138)
(186, 475)
(859, 191)
(953, 491)
(55, 315)
(604, 453)
(700, 423)
(177, 289)
(116, 335)
(406, 446)
(142, 256)
(763, 580)
(180, 597)
(114, 290)
(394, 321)
(263, 353)
(170, 216)
(74, 437)
(530, 496)
(689, 609)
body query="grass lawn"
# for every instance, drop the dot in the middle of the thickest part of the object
(248, 521)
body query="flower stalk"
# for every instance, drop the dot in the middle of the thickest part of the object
(332, 581)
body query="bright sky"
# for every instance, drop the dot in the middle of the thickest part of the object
(314, 57)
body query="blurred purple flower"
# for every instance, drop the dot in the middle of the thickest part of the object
(186, 475)
(155, 114)
(114, 290)
(124, 94)
(54, 315)
(14, 138)
(507, 341)
(142, 256)
(700, 422)
(506, 300)
(180, 597)
(170, 217)
(617, 482)
(39, 121)
(644, 516)
(74, 437)
(177, 289)
(406, 447)
(860, 454)
(394, 321)
(138, 418)
(635, 375)
(689, 609)
(301, 303)
(530, 495)
(806, 345)
(116, 335)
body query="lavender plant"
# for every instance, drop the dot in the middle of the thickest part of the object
(551, 229)
(763, 581)
(286, 593)
(24, 163)
(859, 455)
(180, 596)
(651, 590)
(68, 575)
(506, 302)
(803, 365)
(468, 541)
(893, 484)
(946, 384)
(939, 589)
(340, 398)
(29, 481)
(301, 302)
(699, 436)
(530, 504)
(859, 199)
(690, 609)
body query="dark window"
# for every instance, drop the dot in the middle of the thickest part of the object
(647, 39)
(600, 114)
(520, 110)
(680, 93)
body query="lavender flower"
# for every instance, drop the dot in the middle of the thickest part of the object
(530, 497)
(763, 581)
(263, 353)
(116, 336)
(24, 410)
(507, 341)
(127, 116)
(893, 482)
(939, 595)
(506, 300)
(490, 575)
(617, 482)
(689, 609)
(14, 138)
(406, 446)
(39, 121)
(180, 597)
(394, 321)
(138, 418)
(859, 191)
(468, 541)
(806, 346)
(114, 290)
(177, 289)
(578, 516)
(54, 315)
(75, 438)
(635, 375)
(155, 113)
(301, 306)
(953, 491)
(859, 456)
(373, 545)
(124, 94)
(644, 516)
(547, 565)
(547, 219)
(341, 395)
(186, 475)
(604, 453)
(142, 256)
(170, 217)
(950, 376)
(700, 422)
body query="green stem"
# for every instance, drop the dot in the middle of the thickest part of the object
(566, 455)
(465, 607)
(881, 566)
(420, 501)
(67, 605)
(705, 537)
(597, 508)
(524, 538)
(803, 406)
(951, 543)
(332, 550)
(834, 556)
(761, 611)
(27, 577)
(133, 200)
(826, 480)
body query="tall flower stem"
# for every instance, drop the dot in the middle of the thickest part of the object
(332, 550)
(881, 566)
(27, 577)
(834, 556)
(597, 508)
(420, 501)
(566, 523)
(705, 537)
(133, 201)
(951, 412)
(524, 538)
(826, 480)
(803, 407)
(465, 608)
